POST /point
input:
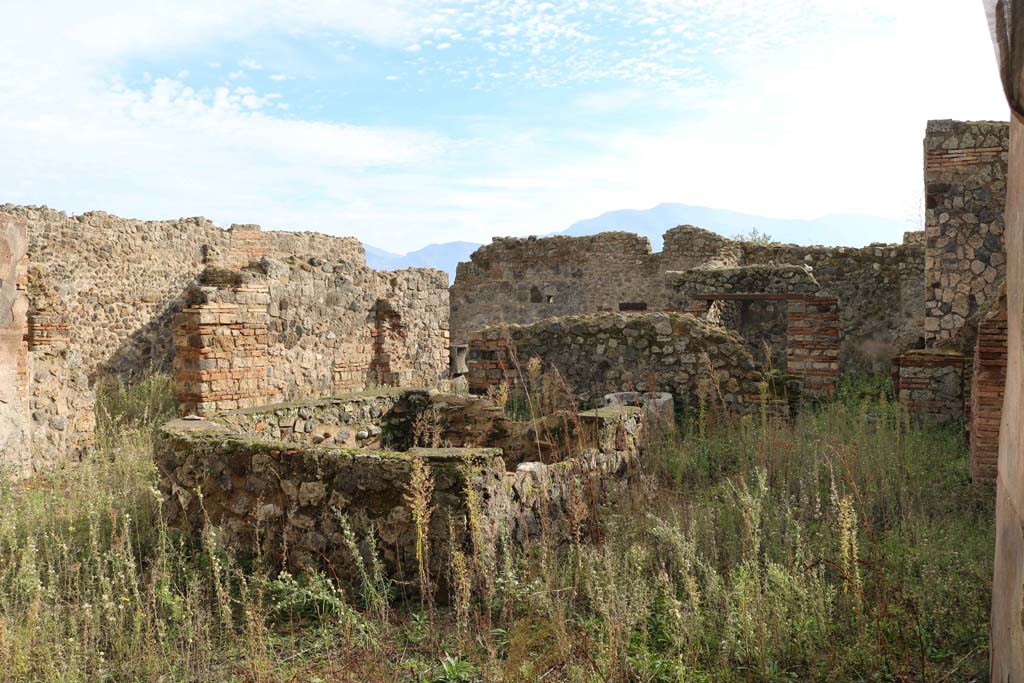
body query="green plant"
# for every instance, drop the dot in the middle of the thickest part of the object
(845, 545)
(755, 236)
(455, 670)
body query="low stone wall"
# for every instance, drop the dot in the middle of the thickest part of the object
(397, 419)
(602, 354)
(930, 384)
(286, 499)
(281, 330)
(383, 417)
(988, 390)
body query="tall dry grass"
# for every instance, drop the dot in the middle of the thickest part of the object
(848, 545)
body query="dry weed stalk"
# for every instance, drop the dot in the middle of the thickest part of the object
(418, 497)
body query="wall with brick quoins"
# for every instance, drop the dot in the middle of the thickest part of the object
(880, 287)
(119, 281)
(965, 261)
(102, 292)
(282, 330)
(965, 265)
(748, 299)
(805, 340)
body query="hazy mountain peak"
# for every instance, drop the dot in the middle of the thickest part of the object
(850, 230)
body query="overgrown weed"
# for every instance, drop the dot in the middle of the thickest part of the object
(847, 545)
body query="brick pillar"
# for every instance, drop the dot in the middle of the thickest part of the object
(220, 350)
(487, 363)
(930, 385)
(812, 345)
(988, 388)
(247, 244)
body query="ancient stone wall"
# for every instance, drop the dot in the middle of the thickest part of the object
(101, 292)
(281, 330)
(46, 406)
(614, 352)
(795, 324)
(965, 169)
(119, 282)
(880, 288)
(296, 495)
(965, 186)
(526, 280)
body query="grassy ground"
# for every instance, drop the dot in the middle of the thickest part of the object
(847, 546)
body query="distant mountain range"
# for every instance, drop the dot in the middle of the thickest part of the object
(833, 230)
(441, 256)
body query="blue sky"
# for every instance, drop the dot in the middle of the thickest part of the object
(407, 123)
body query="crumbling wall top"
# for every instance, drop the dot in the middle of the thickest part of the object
(751, 281)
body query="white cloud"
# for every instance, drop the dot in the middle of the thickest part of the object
(813, 106)
(84, 140)
(827, 127)
(250, 64)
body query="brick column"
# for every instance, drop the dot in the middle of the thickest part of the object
(487, 363)
(812, 345)
(988, 388)
(247, 245)
(220, 350)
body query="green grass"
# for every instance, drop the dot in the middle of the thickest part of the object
(846, 546)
